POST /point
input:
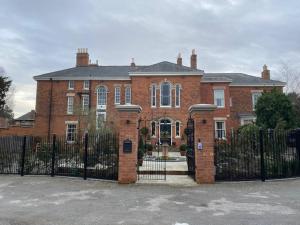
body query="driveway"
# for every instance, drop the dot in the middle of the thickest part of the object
(32, 200)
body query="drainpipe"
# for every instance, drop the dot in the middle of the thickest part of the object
(50, 109)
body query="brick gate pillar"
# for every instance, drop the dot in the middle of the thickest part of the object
(128, 124)
(204, 129)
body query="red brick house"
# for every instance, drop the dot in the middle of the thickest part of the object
(164, 90)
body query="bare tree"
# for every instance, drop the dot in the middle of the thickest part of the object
(291, 76)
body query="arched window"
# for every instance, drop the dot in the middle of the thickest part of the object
(165, 94)
(101, 97)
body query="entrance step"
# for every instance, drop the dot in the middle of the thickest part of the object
(171, 172)
(173, 180)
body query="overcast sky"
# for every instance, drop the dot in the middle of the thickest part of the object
(229, 35)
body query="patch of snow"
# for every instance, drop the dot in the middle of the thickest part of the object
(255, 195)
(180, 223)
(154, 203)
(222, 207)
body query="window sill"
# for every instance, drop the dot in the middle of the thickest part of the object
(177, 137)
(70, 89)
(220, 107)
(162, 106)
(70, 114)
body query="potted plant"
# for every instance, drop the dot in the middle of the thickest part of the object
(182, 149)
(144, 131)
(164, 136)
(149, 148)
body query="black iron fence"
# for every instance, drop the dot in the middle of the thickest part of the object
(94, 156)
(258, 154)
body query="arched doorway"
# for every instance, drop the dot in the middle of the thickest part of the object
(165, 131)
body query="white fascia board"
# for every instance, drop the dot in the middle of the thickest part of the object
(257, 85)
(166, 74)
(80, 78)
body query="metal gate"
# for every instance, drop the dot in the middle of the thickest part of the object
(190, 154)
(151, 166)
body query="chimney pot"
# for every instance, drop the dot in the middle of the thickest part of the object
(193, 60)
(265, 74)
(179, 60)
(82, 57)
(132, 62)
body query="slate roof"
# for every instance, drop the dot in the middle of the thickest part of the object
(30, 116)
(241, 79)
(124, 72)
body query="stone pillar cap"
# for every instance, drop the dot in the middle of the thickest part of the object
(202, 107)
(129, 108)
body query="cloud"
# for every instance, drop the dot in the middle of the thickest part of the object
(230, 36)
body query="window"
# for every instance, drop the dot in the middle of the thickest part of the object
(86, 84)
(165, 94)
(255, 96)
(71, 133)
(101, 97)
(100, 119)
(153, 95)
(219, 98)
(70, 105)
(153, 129)
(117, 95)
(220, 132)
(177, 129)
(71, 85)
(128, 95)
(177, 95)
(85, 103)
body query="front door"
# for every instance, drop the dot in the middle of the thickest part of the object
(165, 131)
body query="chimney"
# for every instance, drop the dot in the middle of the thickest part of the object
(193, 60)
(82, 57)
(265, 73)
(132, 62)
(179, 60)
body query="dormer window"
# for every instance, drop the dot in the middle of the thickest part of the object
(165, 94)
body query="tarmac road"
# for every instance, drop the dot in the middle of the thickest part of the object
(42, 200)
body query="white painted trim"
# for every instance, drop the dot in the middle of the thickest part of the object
(171, 121)
(224, 128)
(82, 78)
(220, 118)
(192, 73)
(257, 85)
(71, 122)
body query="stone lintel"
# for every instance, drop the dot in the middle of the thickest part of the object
(129, 108)
(202, 107)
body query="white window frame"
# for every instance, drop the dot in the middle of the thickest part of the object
(255, 93)
(99, 94)
(128, 95)
(67, 132)
(86, 85)
(117, 95)
(71, 85)
(152, 129)
(170, 97)
(153, 96)
(216, 99)
(179, 124)
(224, 128)
(70, 105)
(253, 120)
(85, 103)
(177, 95)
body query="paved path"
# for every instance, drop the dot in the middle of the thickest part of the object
(40, 200)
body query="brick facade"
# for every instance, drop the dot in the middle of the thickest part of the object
(195, 87)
